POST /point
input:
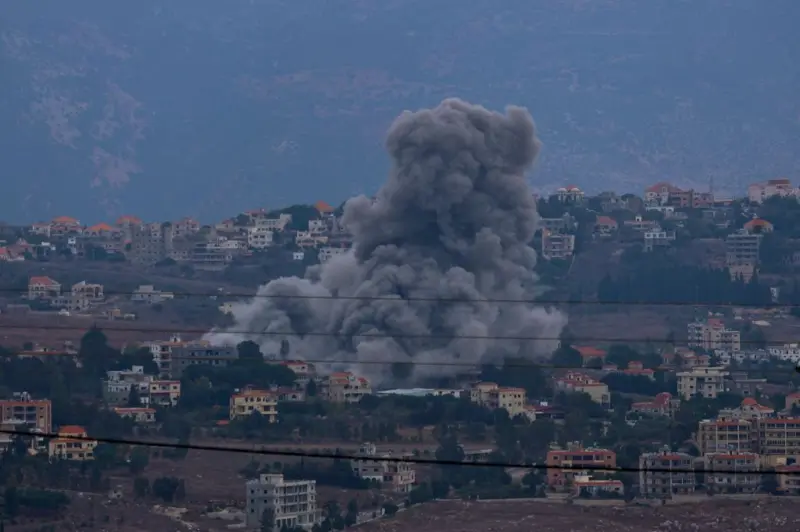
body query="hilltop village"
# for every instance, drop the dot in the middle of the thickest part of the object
(102, 329)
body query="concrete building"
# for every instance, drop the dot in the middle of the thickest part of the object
(293, 503)
(557, 245)
(72, 444)
(719, 436)
(42, 287)
(662, 405)
(742, 252)
(344, 387)
(575, 382)
(142, 415)
(117, 385)
(665, 473)
(758, 192)
(559, 474)
(712, 334)
(394, 475)
(733, 472)
(32, 413)
(199, 354)
(708, 382)
(246, 402)
(777, 440)
(492, 396)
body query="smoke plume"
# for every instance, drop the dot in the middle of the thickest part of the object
(454, 221)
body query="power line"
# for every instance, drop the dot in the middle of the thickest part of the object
(431, 299)
(610, 339)
(373, 458)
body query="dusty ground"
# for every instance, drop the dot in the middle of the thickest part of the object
(749, 515)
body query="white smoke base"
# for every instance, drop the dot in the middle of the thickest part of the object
(454, 221)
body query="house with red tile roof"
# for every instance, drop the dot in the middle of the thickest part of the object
(758, 226)
(590, 353)
(43, 287)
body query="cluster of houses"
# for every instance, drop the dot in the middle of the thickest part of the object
(631, 218)
(185, 241)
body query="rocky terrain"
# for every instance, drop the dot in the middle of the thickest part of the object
(110, 108)
(743, 515)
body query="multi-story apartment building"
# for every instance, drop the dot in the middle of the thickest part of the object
(657, 237)
(557, 245)
(326, 253)
(719, 436)
(293, 503)
(707, 382)
(665, 473)
(733, 472)
(395, 475)
(344, 387)
(34, 413)
(492, 396)
(164, 393)
(712, 334)
(305, 371)
(199, 353)
(162, 353)
(246, 402)
(575, 382)
(150, 243)
(152, 392)
(560, 463)
(72, 444)
(758, 192)
(789, 479)
(777, 439)
(742, 252)
(118, 384)
(785, 352)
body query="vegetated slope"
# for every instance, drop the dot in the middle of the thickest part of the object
(205, 107)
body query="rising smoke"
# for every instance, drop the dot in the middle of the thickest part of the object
(454, 221)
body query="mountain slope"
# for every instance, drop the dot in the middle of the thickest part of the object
(204, 108)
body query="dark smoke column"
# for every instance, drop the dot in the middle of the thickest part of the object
(454, 221)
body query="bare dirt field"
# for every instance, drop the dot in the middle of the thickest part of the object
(748, 515)
(604, 324)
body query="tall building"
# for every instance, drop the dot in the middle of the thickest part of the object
(199, 354)
(712, 334)
(719, 436)
(492, 396)
(344, 387)
(733, 472)
(559, 474)
(707, 382)
(666, 473)
(36, 413)
(293, 503)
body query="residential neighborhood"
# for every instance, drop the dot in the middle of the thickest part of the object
(710, 407)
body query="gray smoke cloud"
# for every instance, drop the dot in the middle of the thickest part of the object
(454, 221)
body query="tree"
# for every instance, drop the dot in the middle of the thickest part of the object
(139, 459)
(165, 488)
(134, 401)
(268, 520)
(11, 502)
(141, 487)
(568, 357)
(250, 352)
(311, 388)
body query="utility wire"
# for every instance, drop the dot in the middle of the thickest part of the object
(610, 339)
(410, 299)
(373, 458)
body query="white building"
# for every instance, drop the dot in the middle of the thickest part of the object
(657, 237)
(714, 335)
(294, 503)
(147, 293)
(786, 352)
(708, 382)
(259, 237)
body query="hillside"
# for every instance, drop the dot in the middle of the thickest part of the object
(203, 108)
